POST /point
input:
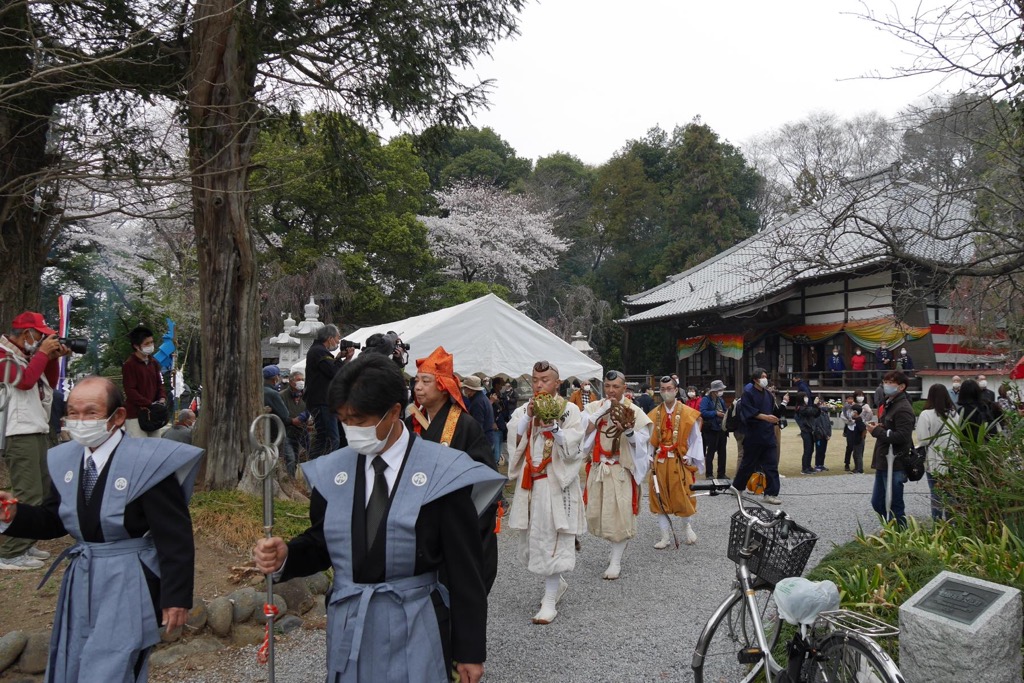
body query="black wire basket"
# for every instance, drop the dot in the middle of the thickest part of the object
(775, 558)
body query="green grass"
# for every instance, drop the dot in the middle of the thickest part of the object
(235, 519)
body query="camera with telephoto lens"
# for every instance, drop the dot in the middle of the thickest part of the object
(391, 345)
(77, 345)
(346, 344)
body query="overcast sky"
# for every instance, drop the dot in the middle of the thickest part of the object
(585, 76)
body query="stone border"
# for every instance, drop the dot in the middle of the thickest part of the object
(296, 600)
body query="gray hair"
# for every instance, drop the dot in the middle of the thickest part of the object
(296, 373)
(325, 333)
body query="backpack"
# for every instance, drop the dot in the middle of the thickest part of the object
(732, 417)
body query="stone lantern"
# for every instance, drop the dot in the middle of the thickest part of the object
(288, 346)
(306, 330)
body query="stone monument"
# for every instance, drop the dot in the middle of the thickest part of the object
(961, 628)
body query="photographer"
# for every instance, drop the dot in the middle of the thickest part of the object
(143, 385)
(33, 347)
(321, 367)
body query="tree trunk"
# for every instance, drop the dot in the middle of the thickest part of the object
(27, 219)
(221, 135)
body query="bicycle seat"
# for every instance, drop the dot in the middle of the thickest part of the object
(801, 601)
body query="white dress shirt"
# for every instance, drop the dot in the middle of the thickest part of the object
(394, 457)
(101, 454)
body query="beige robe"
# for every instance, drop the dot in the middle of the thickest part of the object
(613, 479)
(547, 517)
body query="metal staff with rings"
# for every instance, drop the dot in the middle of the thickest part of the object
(7, 387)
(263, 465)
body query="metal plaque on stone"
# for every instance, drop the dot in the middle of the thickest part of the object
(958, 601)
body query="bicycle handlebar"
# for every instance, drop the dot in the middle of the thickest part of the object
(716, 487)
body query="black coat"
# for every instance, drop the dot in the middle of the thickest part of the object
(896, 429)
(321, 367)
(469, 438)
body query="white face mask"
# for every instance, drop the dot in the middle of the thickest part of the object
(89, 433)
(835, 353)
(586, 388)
(956, 386)
(903, 352)
(860, 399)
(983, 384)
(300, 385)
(691, 394)
(364, 439)
(33, 347)
(763, 381)
(668, 396)
(148, 350)
(858, 352)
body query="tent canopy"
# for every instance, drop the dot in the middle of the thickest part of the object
(487, 337)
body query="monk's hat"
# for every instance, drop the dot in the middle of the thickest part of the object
(441, 365)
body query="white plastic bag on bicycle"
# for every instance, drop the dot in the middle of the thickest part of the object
(801, 601)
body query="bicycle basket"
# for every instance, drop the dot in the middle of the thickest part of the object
(775, 558)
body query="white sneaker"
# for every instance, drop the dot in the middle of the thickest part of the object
(772, 500)
(37, 554)
(20, 563)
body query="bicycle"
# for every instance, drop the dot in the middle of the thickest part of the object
(739, 640)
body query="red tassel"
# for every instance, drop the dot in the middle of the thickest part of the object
(261, 654)
(501, 513)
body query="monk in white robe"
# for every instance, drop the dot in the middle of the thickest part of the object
(547, 508)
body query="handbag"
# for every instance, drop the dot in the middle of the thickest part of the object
(913, 462)
(152, 418)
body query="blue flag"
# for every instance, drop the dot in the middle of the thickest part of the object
(164, 354)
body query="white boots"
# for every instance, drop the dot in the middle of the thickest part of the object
(615, 561)
(554, 588)
(689, 537)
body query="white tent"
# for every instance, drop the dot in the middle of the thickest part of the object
(487, 337)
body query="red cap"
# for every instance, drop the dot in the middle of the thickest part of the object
(31, 321)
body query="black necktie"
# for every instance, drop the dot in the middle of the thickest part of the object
(378, 500)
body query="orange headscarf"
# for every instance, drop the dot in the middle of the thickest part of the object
(441, 365)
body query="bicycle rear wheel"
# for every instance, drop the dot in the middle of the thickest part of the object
(846, 657)
(716, 657)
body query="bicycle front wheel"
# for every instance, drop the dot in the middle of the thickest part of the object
(716, 658)
(846, 657)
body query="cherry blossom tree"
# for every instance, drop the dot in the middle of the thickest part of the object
(490, 235)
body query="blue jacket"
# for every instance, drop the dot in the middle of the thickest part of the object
(803, 386)
(709, 412)
(835, 364)
(756, 401)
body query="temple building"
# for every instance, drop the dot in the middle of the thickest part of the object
(850, 272)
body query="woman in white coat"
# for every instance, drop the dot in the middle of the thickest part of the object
(933, 430)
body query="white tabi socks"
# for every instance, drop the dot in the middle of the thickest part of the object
(615, 562)
(666, 532)
(689, 536)
(554, 588)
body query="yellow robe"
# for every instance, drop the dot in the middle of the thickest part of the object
(670, 437)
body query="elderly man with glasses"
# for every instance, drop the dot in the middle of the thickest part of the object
(618, 436)
(547, 511)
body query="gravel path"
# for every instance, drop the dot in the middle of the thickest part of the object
(640, 628)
